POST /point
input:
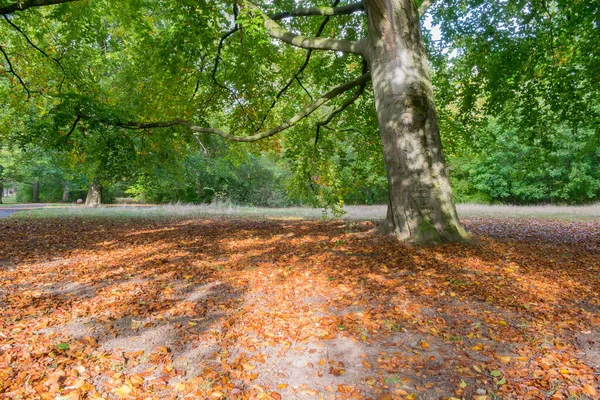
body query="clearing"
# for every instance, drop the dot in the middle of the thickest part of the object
(159, 305)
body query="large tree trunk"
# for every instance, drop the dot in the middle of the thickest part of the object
(94, 195)
(420, 206)
(65, 195)
(36, 191)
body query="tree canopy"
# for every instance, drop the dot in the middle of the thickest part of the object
(117, 85)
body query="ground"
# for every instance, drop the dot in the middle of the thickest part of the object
(115, 306)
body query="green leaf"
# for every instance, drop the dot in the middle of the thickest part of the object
(495, 373)
(63, 346)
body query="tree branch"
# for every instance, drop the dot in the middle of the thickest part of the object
(300, 70)
(315, 43)
(24, 5)
(425, 6)
(12, 71)
(316, 11)
(225, 36)
(73, 126)
(56, 60)
(346, 104)
(362, 80)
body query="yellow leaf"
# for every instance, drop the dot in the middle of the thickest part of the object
(248, 367)
(424, 344)
(282, 386)
(137, 380)
(476, 368)
(123, 391)
(589, 389)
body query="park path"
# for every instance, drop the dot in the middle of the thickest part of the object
(15, 208)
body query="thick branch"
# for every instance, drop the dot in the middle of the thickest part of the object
(12, 71)
(315, 43)
(425, 6)
(316, 11)
(346, 104)
(24, 5)
(300, 70)
(362, 80)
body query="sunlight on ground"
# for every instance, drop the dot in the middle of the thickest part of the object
(227, 308)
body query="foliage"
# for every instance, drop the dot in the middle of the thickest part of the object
(516, 84)
(561, 167)
(520, 100)
(202, 178)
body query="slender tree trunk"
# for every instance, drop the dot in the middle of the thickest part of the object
(65, 195)
(36, 191)
(1, 191)
(420, 206)
(94, 195)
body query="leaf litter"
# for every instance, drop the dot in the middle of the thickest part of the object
(226, 308)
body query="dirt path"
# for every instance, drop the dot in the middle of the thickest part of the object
(15, 208)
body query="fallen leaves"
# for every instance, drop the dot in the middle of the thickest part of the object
(274, 309)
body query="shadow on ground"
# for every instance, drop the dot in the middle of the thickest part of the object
(295, 309)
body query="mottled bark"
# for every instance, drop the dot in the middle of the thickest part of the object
(36, 191)
(94, 195)
(420, 207)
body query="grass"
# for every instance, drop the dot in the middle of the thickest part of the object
(8, 201)
(182, 211)
(173, 211)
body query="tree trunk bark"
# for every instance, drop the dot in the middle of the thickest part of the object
(1, 191)
(94, 195)
(65, 195)
(36, 191)
(420, 207)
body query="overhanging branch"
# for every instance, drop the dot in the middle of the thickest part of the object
(346, 104)
(24, 5)
(316, 43)
(362, 80)
(317, 11)
(296, 76)
(14, 73)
